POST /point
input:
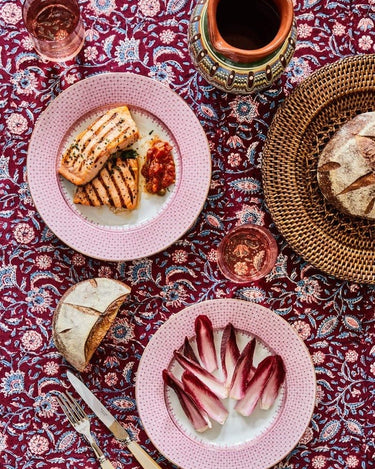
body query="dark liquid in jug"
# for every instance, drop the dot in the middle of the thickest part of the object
(247, 24)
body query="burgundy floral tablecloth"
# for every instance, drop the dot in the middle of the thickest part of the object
(334, 318)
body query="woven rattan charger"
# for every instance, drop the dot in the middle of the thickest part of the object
(340, 245)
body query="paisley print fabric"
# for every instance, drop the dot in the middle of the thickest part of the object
(335, 319)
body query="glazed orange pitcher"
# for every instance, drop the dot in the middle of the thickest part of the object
(242, 46)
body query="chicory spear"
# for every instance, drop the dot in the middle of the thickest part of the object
(216, 386)
(204, 398)
(198, 417)
(276, 379)
(254, 391)
(243, 371)
(229, 353)
(205, 342)
(188, 351)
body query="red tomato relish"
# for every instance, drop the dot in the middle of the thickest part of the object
(159, 168)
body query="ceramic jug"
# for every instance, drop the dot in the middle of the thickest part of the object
(242, 46)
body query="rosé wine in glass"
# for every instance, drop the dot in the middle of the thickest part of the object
(247, 253)
(55, 27)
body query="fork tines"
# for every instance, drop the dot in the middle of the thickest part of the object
(71, 408)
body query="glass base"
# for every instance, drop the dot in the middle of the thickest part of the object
(62, 58)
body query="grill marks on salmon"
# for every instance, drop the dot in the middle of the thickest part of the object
(92, 148)
(116, 185)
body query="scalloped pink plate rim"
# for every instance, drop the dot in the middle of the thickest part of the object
(299, 400)
(191, 189)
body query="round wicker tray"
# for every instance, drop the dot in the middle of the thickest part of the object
(337, 244)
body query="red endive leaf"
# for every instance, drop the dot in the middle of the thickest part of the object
(188, 351)
(247, 404)
(273, 385)
(216, 386)
(229, 353)
(205, 342)
(243, 371)
(198, 418)
(204, 398)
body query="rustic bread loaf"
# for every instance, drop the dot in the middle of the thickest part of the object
(346, 167)
(84, 315)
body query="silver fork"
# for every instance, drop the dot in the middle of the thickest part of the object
(81, 423)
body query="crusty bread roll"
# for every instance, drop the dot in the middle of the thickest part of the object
(346, 167)
(84, 315)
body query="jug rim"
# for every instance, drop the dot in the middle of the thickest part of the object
(286, 11)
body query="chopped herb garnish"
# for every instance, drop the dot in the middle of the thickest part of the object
(128, 154)
(151, 131)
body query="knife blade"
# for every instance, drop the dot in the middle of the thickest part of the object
(111, 423)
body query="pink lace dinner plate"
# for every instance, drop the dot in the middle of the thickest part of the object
(158, 221)
(255, 442)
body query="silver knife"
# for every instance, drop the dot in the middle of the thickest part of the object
(111, 423)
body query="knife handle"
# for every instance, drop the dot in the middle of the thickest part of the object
(106, 464)
(144, 459)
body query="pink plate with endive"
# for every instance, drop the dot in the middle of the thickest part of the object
(258, 441)
(158, 221)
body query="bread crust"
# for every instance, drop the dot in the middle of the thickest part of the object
(346, 167)
(83, 316)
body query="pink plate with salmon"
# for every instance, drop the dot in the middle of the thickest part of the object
(158, 221)
(257, 441)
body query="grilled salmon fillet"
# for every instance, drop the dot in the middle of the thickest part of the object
(91, 149)
(116, 185)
